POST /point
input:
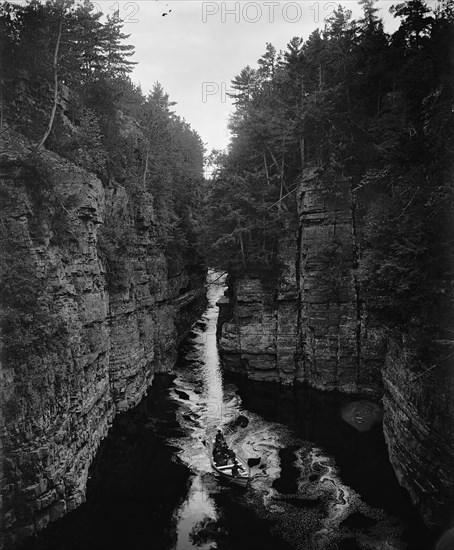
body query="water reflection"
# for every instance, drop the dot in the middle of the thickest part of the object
(206, 343)
(201, 414)
(309, 498)
(195, 518)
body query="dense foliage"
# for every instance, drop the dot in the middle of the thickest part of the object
(103, 121)
(60, 49)
(351, 103)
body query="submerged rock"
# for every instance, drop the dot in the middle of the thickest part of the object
(181, 394)
(362, 415)
(240, 421)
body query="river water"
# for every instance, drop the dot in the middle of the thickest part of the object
(317, 482)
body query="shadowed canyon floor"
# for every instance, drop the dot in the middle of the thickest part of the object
(318, 482)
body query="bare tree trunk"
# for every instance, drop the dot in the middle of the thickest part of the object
(282, 187)
(264, 233)
(302, 144)
(266, 169)
(272, 156)
(302, 140)
(54, 107)
(243, 258)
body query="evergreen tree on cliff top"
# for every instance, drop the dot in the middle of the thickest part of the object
(350, 103)
(76, 98)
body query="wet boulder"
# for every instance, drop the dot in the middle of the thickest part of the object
(240, 421)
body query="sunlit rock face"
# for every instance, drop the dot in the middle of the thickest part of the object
(100, 345)
(311, 325)
(419, 431)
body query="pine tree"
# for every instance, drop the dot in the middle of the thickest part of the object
(244, 85)
(115, 53)
(370, 21)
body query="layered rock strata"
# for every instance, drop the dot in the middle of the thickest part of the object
(311, 326)
(419, 429)
(100, 345)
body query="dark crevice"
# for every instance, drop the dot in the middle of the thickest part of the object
(357, 291)
(299, 344)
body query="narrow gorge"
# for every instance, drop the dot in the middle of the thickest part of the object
(291, 286)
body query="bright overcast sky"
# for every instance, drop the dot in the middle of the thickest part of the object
(198, 47)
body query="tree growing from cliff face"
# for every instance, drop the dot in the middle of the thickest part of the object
(76, 98)
(56, 43)
(353, 104)
(87, 48)
(55, 60)
(34, 33)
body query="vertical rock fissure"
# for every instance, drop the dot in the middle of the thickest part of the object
(298, 272)
(357, 289)
(237, 322)
(276, 331)
(337, 357)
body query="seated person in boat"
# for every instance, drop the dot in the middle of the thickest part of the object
(219, 442)
(219, 438)
(223, 449)
(216, 454)
(220, 457)
(235, 469)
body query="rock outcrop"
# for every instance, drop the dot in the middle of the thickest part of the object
(312, 325)
(96, 345)
(419, 429)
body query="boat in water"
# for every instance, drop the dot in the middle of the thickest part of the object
(226, 472)
(234, 470)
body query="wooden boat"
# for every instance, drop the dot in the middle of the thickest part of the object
(225, 472)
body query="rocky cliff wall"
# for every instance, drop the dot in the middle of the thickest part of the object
(311, 326)
(419, 429)
(85, 349)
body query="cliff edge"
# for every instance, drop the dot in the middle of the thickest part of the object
(91, 308)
